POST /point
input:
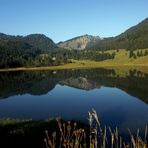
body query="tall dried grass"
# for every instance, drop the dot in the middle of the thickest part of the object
(73, 137)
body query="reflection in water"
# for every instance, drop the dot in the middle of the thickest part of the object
(119, 100)
(41, 82)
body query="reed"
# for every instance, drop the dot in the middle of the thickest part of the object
(73, 137)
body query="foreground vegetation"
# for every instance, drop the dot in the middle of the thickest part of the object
(72, 137)
(66, 134)
(26, 133)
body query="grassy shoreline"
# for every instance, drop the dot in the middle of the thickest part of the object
(77, 65)
(121, 60)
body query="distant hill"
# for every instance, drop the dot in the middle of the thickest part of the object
(80, 42)
(9, 37)
(31, 50)
(39, 50)
(39, 41)
(135, 37)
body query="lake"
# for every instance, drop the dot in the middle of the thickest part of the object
(120, 98)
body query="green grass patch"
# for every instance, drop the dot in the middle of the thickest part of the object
(121, 59)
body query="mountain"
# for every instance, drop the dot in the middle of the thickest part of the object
(9, 37)
(80, 42)
(39, 50)
(4, 36)
(39, 41)
(31, 50)
(135, 37)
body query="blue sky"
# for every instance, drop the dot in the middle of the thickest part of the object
(64, 19)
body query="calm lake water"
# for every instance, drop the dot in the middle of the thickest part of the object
(120, 100)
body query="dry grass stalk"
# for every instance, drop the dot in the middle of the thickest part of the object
(71, 137)
(50, 143)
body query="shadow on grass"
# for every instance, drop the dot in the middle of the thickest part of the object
(26, 133)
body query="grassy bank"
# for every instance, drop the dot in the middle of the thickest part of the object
(26, 133)
(22, 133)
(78, 65)
(121, 60)
(121, 69)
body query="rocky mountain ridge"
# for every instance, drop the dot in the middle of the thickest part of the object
(80, 42)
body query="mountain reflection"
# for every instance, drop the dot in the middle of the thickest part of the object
(41, 82)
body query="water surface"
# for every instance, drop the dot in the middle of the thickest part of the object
(120, 100)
